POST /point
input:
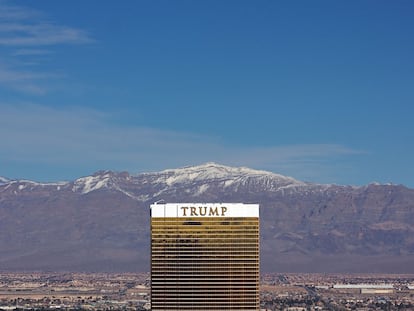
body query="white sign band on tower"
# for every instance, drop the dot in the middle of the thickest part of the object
(204, 210)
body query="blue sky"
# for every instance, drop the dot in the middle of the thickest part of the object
(322, 91)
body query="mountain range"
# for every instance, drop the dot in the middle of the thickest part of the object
(101, 222)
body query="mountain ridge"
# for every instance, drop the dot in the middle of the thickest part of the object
(101, 222)
(187, 173)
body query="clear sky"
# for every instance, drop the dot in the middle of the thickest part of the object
(322, 91)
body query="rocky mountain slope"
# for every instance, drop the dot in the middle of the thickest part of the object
(101, 222)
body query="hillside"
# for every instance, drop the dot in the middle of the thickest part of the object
(101, 222)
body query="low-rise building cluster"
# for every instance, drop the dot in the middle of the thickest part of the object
(131, 291)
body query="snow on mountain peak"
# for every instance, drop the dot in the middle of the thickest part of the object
(4, 180)
(91, 183)
(210, 170)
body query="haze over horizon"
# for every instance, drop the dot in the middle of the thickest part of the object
(320, 91)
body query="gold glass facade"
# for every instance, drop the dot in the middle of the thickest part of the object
(204, 263)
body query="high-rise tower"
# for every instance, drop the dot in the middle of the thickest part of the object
(204, 256)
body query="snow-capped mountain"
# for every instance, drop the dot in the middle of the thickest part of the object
(4, 180)
(212, 177)
(101, 222)
(215, 172)
(195, 180)
(97, 181)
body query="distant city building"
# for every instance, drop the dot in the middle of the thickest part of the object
(204, 256)
(359, 286)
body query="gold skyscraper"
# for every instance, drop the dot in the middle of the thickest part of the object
(204, 256)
